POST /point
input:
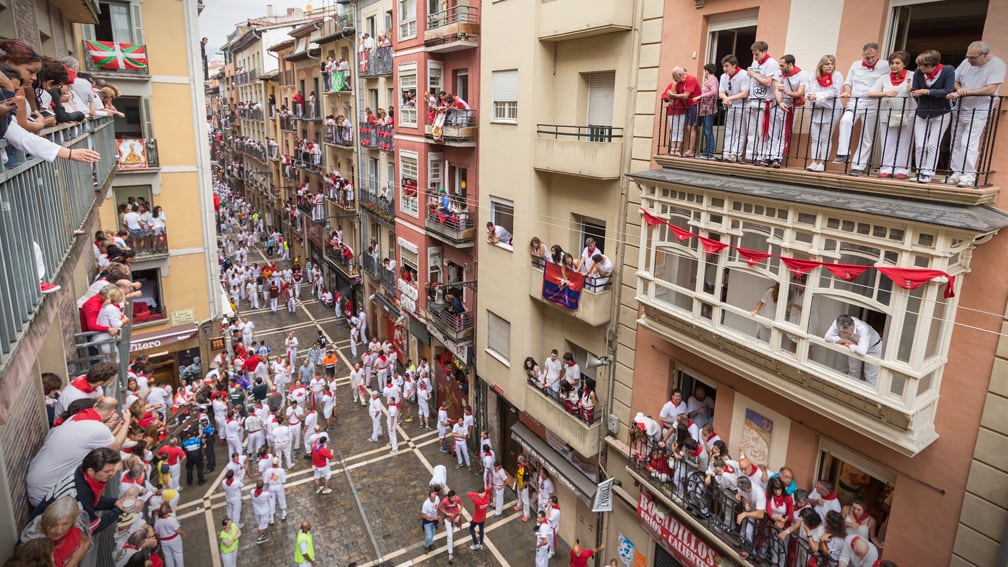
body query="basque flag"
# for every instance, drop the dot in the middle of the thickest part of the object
(565, 293)
(117, 55)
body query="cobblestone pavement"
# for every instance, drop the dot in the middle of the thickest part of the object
(372, 516)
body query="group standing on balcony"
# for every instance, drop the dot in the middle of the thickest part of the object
(902, 114)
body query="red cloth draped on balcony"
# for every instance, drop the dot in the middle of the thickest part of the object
(565, 293)
(913, 278)
(752, 257)
(846, 272)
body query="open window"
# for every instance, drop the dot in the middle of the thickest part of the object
(917, 25)
(732, 34)
(149, 306)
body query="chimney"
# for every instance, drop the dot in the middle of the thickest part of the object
(269, 10)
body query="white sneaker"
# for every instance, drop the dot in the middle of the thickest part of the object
(954, 179)
(966, 182)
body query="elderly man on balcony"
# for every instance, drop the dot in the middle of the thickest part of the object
(977, 80)
(861, 339)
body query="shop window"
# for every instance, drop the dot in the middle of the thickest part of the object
(149, 306)
(498, 337)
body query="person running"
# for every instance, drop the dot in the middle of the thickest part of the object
(451, 508)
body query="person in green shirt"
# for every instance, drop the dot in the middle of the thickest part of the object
(228, 540)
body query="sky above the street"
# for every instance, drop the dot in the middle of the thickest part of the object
(220, 16)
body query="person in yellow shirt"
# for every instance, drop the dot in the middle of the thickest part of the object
(228, 541)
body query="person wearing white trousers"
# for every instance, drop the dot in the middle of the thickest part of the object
(232, 496)
(275, 477)
(374, 410)
(393, 422)
(169, 534)
(978, 79)
(896, 117)
(822, 92)
(499, 481)
(282, 442)
(733, 89)
(861, 76)
(932, 83)
(765, 131)
(233, 434)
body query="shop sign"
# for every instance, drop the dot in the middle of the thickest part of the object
(217, 344)
(182, 317)
(460, 351)
(673, 535)
(408, 296)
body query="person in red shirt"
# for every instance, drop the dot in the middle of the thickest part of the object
(683, 95)
(321, 455)
(481, 500)
(173, 455)
(579, 557)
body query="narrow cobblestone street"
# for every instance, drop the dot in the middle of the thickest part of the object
(372, 516)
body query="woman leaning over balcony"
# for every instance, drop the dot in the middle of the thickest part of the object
(896, 112)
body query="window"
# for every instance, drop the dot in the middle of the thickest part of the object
(407, 19)
(502, 214)
(499, 337)
(435, 76)
(582, 356)
(388, 22)
(116, 23)
(153, 308)
(372, 180)
(408, 262)
(409, 202)
(601, 87)
(732, 34)
(505, 96)
(370, 26)
(590, 228)
(407, 95)
(434, 177)
(462, 84)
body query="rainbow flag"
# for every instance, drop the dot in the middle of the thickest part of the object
(117, 55)
(567, 293)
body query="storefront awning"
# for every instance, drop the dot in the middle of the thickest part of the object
(554, 463)
(387, 305)
(163, 338)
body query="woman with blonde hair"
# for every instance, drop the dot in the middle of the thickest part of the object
(823, 91)
(61, 525)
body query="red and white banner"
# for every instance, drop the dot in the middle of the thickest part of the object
(673, 535)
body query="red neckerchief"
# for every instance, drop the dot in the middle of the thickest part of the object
(97, 487)
(933, 74)
(737, 71)
(699, 449)
(869, 67)
(728, 469)
(87, 415)
(778, 501)
(898, 78)
(258, 492)
(82, 384)
(860, 519)
(130, 480)
(752, 470)
(571, 363)
(793, 72)
(229, 481)
(830, 496)
(764, 60)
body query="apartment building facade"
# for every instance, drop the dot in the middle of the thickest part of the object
(713, 243)
(554, 147)
(40, 332)
(437, 49)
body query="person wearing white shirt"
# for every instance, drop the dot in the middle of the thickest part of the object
(699, 407)
(978, 79)
(375, 411)
(169, 534)
(753, 504)
(823, 92)
(263, 506)
(671, 410)
(733, 89)
(896, 117)
(551, 369)
(792, 84)
(861, 77)
(861, 339)
(275, 477)
(764, 97)
(232, 489)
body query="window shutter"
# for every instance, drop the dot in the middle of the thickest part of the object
(600, 98)
(136, 16)
(505, 85)
(148, 122)
(89, 33)
(434, 170)
(498, 335)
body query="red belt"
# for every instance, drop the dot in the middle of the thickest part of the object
(171, 537)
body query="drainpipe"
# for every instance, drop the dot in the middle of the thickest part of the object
(624, 186)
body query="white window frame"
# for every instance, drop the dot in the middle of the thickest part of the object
(498, 338)
(407, 81)
(409, 205)
(496, 202)
(505, 97)
(435, 69)
(407, 22)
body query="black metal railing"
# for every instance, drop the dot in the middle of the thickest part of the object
(378, 62)
(288, 122)
(588, 416)
(246, 77)
(339, 135)
(579, 133)
(250, 112)
(388, 280)
(347, 263)
(956, 147)
(454, 15)
(716, 508)
(452, 219)
(459, 125)
(592, 284)
(67, 190)
(455, 323)
(377, 204)
(371, 266)
(367, 135)
(251, 148)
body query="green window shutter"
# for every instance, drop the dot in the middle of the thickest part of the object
(148, 123)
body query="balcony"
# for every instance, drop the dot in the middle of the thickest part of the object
(246, 77)
(587, 417)
(308, 110)
(454, 29)
(288, 123)
(456, 326)
(681, 491)
(116, 60)
(377, 137)
(253, 113)
(566, 424)
(372, 266)
(378, 204)
(347, 264)
(451, 225)
(80, 11)
(137, 154)
(808, 143)
(560, 20)
(594, 306)
(252, 149)
(594, 152)
(378, 62)
(458, 129)
(388, 280)
(71, 188)
(341, 136)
